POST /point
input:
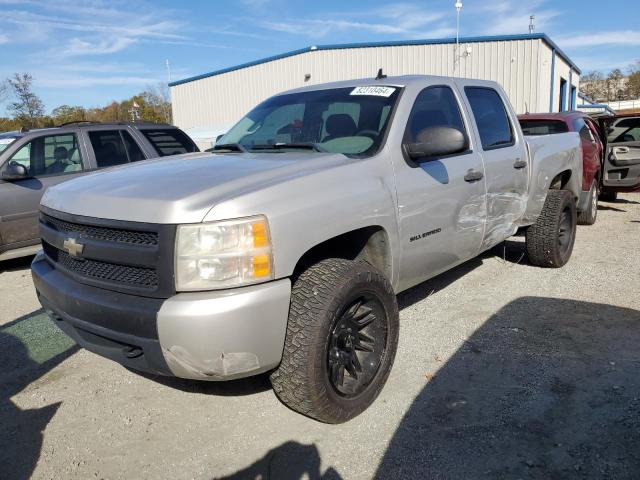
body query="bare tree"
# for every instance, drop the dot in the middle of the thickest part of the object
(615, 89)
(4, 91)
(158, 97)
(27, 106)
(593, 85)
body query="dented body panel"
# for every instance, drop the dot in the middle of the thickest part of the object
(429, 214)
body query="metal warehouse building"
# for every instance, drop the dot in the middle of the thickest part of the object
(536, 74)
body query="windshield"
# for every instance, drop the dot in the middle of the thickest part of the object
(5, 142)
(543, 127)
(352, 121)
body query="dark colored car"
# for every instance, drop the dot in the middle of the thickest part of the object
(31, 161)
(592, 152)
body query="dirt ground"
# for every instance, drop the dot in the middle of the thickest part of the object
(504, 371)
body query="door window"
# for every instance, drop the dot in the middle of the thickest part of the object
(50, 155)
(108, 148)
(491, 117)
(434, 107)
(625, 130)
(133, 150)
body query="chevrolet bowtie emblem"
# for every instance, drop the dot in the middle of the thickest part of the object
(72, 247)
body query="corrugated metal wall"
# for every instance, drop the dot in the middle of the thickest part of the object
(522, 67)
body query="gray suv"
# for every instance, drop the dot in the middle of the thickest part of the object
(32, 161)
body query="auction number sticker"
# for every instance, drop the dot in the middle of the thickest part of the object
(374, 91)
(6, 141)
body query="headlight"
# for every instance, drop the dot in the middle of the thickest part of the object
(223, 254)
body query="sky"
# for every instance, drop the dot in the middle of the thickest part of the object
(90, 52)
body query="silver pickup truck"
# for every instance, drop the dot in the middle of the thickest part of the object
(283, 251)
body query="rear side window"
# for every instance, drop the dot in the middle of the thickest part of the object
(170, 141)
(434, 107)
(491, 117)
(543, 127)
(581, 127)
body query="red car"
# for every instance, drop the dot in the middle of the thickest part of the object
(592, 152)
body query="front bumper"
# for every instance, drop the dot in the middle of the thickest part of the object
(218, 335)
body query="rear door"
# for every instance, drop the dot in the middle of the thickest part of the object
(112, 147)
(622, 157)
(505, 161)
(49, 159)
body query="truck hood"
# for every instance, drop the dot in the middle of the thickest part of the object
(183, 188)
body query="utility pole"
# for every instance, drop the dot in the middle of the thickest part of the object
(168, 69)
(532, 24)
(456, 53)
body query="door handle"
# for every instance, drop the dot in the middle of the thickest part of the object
(519, 164)
(622, 150)
(473, 176)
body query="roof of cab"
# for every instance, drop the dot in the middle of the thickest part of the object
(397, 81)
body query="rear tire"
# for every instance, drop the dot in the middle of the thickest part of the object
(550, 240)
(588, 217)
(340, 309)
(609, 196)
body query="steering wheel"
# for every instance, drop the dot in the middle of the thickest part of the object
(372, 134)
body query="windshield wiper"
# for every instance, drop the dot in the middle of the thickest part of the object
(283, 145)
(232, 147)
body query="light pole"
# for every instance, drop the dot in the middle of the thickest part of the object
(457, 49)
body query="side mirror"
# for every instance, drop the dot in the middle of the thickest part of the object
(434, 142)
(15, 171)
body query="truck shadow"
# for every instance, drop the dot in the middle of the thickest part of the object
(24, 358)
(546, 388)
(22, 263)
(291, 460)
(229, 388)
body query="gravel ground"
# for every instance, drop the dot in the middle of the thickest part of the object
(504, 370)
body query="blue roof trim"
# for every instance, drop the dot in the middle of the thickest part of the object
(400, 43)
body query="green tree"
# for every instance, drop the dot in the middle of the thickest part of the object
(633, 81)
(67, 114)
(27, 106)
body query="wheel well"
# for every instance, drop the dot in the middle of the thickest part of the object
(560, 180)
(369, 244)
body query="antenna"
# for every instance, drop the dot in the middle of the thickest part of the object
(168, 69)
(532, 23)
(380, 75)
(456, 55)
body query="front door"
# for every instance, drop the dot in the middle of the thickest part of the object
(49, 160)
(441, 213)
(622, 157)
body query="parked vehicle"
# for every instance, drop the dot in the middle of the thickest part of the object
(622, 154)
(284, 251)
(592, 152)
(613, 140)
(31, 161)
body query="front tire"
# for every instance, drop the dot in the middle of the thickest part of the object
(341, 340)
(550, 240)
(588, 217)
